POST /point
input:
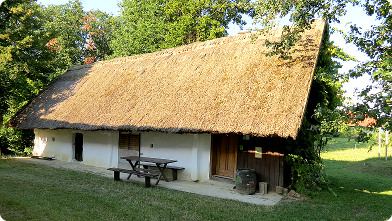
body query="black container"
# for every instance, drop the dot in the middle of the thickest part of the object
(246, 181)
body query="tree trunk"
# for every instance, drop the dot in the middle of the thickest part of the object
(1, 124)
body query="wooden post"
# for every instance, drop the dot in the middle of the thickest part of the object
(386, 145)
(117, 175)
(1, 124)
(379, 142)
(147, 181)
(174, 173)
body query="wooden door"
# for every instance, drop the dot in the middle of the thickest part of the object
(225, 152)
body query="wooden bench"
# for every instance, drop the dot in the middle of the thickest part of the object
(147, 176)
(173, 168)
(42, 158)
(146, 170)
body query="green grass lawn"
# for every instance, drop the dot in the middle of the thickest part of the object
(361, 180)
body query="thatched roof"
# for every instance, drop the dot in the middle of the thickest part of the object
(226, 85)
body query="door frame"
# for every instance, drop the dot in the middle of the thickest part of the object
(214, 155)
(75, 149)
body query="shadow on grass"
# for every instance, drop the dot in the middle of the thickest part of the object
(15, 211)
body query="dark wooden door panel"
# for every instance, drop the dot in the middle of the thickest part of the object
(225, 146)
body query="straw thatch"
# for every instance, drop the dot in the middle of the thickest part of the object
(225, 85)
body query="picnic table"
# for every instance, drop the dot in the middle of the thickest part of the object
(160, 163)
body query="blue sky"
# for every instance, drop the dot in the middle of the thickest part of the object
(354, 15)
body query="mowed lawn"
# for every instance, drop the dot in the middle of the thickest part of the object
(361, 181)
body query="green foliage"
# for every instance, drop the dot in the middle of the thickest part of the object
(189, 21)
(376, 43)
(322, 121)
(308, 175)
(326, 95)
(301, 13)
(303, 157)
(24, 59)
(77, 34)
(17, 141)
(363, 137)
(26, 63)
(65, 23)
(36, 45)
(152, 25)
(349, 131)
(139, 29)
(98, 26)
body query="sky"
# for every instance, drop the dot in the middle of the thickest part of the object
(354, 15)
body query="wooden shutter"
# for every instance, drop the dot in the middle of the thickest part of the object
(129, 141)
(124, 141)
(134, 142)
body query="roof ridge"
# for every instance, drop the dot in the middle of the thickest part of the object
(273, 33)
(169, 51)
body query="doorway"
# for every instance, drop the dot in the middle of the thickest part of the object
(78, 144)
(224, 154)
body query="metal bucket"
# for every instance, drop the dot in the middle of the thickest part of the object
(246, 181)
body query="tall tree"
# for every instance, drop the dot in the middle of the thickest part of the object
(151, 25)
(139, 29)
(323, 117)
(322, 121)
(377, 44)
(65, 22)
(300, 12)
(24, 58)
(79, 35)
(25, 62)
(36, 45)
(97, 24)
(190, 21)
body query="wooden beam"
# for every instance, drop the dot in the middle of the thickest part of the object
(386, 145)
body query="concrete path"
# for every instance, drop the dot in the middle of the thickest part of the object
(207, 188)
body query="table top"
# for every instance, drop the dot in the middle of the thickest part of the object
(149, 159)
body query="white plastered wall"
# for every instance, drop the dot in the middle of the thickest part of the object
(192, 151)
(100, 148)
